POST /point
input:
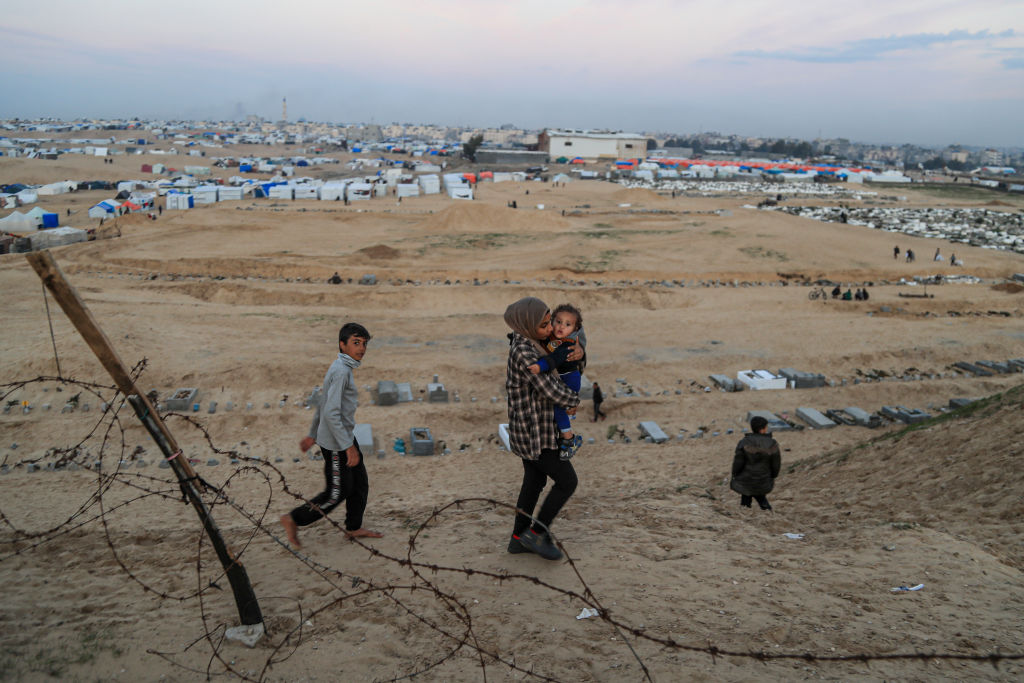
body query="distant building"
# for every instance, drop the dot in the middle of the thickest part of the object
(991, 157)
(590, 145)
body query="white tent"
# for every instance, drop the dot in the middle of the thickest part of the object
(358, 191)
(281, 192)
(106, 208)
(407, 190)
(431, 184)
(307, 192)
(56, 237)
(460, 192)
(333, 190)
(180, 202)
(205, 194)
(226, 193)
(17, 222)
(28, 196)
(56, 188)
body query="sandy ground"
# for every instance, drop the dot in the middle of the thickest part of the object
(108, 577)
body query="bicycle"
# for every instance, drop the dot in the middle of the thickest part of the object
(818, 293)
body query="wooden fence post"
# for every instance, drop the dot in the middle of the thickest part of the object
(80, 316)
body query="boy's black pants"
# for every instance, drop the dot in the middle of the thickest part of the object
(762, 500)
(341, 483)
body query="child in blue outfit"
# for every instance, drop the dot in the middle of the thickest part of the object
(566, 331)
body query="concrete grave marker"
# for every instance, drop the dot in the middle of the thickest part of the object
(814, 418)
(650, 429)
(182, 399)
(421, 442)
(363, 434)
(387, 393)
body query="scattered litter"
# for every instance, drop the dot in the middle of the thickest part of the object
(588, 612)
(795, 537)
(904, 589)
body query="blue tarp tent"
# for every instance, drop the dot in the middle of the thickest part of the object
(245, 168)
(51, 220)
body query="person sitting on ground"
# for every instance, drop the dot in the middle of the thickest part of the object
(334, 279)
(756, 465)
(864, 294)
(566, 331)
(836, 292)
(848, 295)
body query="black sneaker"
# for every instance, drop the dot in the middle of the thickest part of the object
(514, 546)
(540, 544)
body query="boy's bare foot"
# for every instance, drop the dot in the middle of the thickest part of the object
(364, 533)
(291, 529)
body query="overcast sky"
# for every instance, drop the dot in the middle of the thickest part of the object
(929, 72)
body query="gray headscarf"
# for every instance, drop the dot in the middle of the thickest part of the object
(524, 317)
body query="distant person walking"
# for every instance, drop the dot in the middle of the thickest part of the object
(896, 253)
(598, 397)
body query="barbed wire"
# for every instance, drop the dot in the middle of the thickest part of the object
(454, 623)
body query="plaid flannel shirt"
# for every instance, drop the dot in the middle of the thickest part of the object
(531, 400)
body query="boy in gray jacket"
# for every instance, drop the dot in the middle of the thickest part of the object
(344, 470)
(756, 465)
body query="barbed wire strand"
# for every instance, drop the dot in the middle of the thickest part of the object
(111, 432)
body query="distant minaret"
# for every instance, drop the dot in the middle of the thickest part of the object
(284, 108)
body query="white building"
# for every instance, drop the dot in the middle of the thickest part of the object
(588, 145)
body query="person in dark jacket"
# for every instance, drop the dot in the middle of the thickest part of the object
(598, 400)
(756, 465)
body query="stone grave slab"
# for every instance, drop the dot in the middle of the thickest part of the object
(961, 402)
(995, 366)
(387, 393)
(802, 380)
(363, 434)
(725, 382)
(651, 429)
(760, 380)
(404, 392)
(436, 393)
(814, 418)
(971, 368)
(860, 416)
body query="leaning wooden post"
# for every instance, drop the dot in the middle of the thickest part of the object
(67, 296)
